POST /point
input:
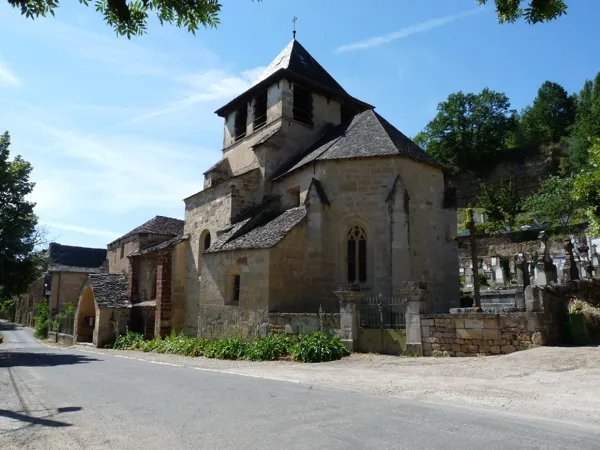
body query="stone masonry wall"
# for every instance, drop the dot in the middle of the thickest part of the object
(479, 334)
(412, 241)
(291, 323)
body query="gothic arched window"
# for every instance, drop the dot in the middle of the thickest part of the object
(357, 255)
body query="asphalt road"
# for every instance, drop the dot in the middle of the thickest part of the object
(65, 398)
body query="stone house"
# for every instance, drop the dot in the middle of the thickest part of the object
(152, 257)
(103, 310)
(67, 267)
(314, 190)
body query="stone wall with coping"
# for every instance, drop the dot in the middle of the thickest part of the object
(296, 323)
(63, 338)
(480, 334)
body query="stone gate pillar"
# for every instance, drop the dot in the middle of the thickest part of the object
(164, 304)
(414, 293)
(349, 301)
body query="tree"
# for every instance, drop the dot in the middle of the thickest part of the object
(550, 116)
(501, 204)
(469, 130)
(587, 124)
(130, 18)
(586, 187)
(19, 263)
(553, 202)
(533, 11)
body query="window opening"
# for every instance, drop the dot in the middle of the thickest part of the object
(357, 255)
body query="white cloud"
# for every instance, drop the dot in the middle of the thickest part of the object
(7, 77)
(405, 32)
(83, 230)
(205, 87)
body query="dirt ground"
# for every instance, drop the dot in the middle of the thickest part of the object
(546, 382)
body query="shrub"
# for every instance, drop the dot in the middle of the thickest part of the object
(234, 348)
(318, 347)
(41, 320)
(591, 315)
(270, 348)
(127, 341)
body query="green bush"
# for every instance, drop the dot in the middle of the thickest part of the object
(127, 341)
(314, 347)
(41, 320)
(318, 347)
(235, 348)
(270, 348)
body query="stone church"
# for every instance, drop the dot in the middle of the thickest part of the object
(314, 190)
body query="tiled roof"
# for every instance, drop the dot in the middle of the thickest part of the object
(157, 225)
(110, 290)
(367, 134)
(265, 236)
(161, 246)
(67, 258)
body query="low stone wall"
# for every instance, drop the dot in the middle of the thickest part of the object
(296, 323)
(216, 322)
(63, 338)
(479, 334)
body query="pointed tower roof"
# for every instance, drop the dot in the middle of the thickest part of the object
(295, 63)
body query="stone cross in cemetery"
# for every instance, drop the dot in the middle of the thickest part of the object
(570, 269)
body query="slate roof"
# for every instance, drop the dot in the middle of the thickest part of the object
(295, 58)
(157, 225)
(67, 258)
(161, 246)
(265, 236)
(367, 134)
(295, 63)
(110, 290)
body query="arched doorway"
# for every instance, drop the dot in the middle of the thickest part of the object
(86, 316)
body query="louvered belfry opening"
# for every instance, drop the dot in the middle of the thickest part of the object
(241, 119)
(260, 110)
(303, 105)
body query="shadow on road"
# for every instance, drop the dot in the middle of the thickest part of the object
(44, 421)
(7, 326)
(33, 359)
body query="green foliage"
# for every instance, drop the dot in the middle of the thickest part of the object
(469, 130)
(19, 264)
(270, 348)
(533, 11)
(7, 305)
(318, 347)
(130, 18)
(586, 187)
(483, 281)
(307, 348)
(69, 310)
(41, 320)
(502, 204)
(553, 202)
(232, 348)
(550, 116)
(127, 341)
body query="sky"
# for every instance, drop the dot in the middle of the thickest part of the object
(119, 131)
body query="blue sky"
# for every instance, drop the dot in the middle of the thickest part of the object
(119, 131)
